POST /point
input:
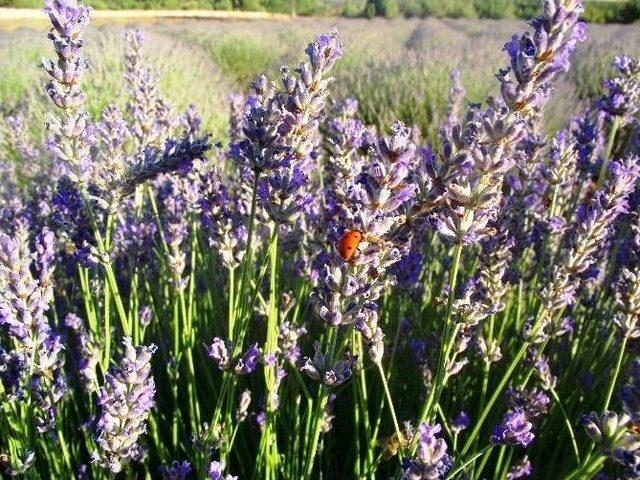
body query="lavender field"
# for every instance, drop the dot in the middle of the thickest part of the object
(412, 253)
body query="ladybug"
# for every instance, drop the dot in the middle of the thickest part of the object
(349, 243)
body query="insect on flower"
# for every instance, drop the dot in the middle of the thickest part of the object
(349, 243)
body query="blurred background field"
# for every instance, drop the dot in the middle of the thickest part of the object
(596, 10)
(397, 68)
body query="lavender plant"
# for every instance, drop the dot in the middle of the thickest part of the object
(318, 299)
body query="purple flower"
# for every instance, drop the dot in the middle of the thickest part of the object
(175, 156)
(176, 471)
(88, 356)
(623, 96)
(71, 220)
(243, 406)
(69, 19)
(288, 338)
(36, 365)
(113, 133)
(71, 135)
(367, 324)
(320, 368)
(237, 105)
(249, 360)
(284, 192)
(521, 469)
(533, 402)
(460, 190)
(125, 401)
(216, 472)
(219, 353)
(191, 123)
(595, 224)
(324, 52)
(461, 422)
(454, 103)
(515, 429)
(431, 461)
(150, 112)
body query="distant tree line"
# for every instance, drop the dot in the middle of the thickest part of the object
(599, 11)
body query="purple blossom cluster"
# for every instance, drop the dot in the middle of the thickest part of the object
(432, 460)
(125, 402)
(623, 96)
(31, 367)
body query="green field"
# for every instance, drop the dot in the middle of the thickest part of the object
(396, 68)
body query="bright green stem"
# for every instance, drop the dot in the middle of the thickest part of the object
(323, 395)
(269, 434)
(248, 257)
(231, 318)
(616, 372)
(496, 393)
(110, 276)
(607, 155)
(567, 422)
(584, 470)
(445, 347)
(452, 474)
(391, 408)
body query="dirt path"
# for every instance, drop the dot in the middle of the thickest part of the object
(12, 18)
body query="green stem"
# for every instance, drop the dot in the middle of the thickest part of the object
(438, 385)
(616, 372)
(609, 149)
(496, 393)
(391, 408)
(567, 422)
(452, 474)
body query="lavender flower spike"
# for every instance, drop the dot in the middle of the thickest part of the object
(623, 96)
(125, 401)
(35, 366)
(153, 162)
(596, 220)
(70, 132)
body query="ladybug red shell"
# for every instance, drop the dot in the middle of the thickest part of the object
(349, 243)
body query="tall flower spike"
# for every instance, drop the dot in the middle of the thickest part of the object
(176, 155)
(350, 284)
(150, 112)
(464, 183)
(88, 351)
(627, 318)
(70, 132)
(595, 223)
(35, 367)
(125, 402)
(454, 104)
(113, 133)
(299, 104)
(623, 96)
